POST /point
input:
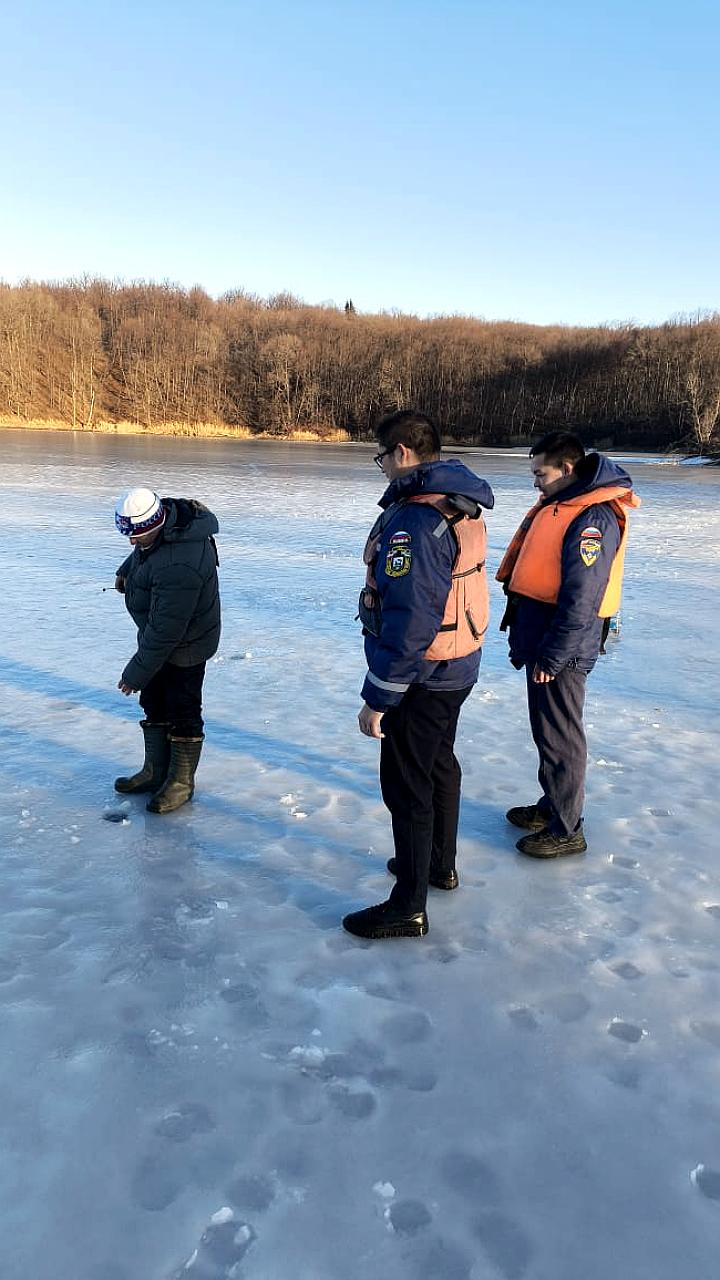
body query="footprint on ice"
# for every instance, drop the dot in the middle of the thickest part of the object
(625, 969)
(420, 1079)
(440, 1258)
(156, 1183)
(505, 1243)
(117, 811)
(252, 1191)
(677, 970)
(590, 948)
(626, 1031)
(446, 954)
(383, 1076)
(523, 1017)
(707, 1029)
(608, 895)
(244, 1000)
(356, 1104)
(185, 1123)
(472, 1178)
(620, 860)
(291, 1157)
(567, 1006)
(407, 1217)
(303, 1100)
(660, 813)
(625, 1074)
(407, 1028)
(625, 926)
(707, 1181)
(338, 1066)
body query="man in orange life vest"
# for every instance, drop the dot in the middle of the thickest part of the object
(424, 610)
(563, 575)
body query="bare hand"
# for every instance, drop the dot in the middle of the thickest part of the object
(542, 677)
(369, 722)
(125, 688)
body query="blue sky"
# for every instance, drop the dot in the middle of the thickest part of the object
(539, 160)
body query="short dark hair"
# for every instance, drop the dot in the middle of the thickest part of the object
(558, 447)
(415, 430)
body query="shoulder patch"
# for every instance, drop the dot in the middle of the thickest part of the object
(398, 559)
(590, 545)
(400, 537)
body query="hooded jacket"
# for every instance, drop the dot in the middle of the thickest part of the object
(172, 593)
(412, 572)
(557, 620)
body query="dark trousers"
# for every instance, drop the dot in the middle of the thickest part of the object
(420, 784)
(174, 697)
(556, 722)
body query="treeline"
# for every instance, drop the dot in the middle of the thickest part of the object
(92, 351)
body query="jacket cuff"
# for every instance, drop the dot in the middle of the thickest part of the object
(381, 694)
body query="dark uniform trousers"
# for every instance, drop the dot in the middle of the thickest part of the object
(174, 696)
(420, 784)
(556, 723)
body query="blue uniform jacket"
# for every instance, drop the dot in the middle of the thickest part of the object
(413, 601)
(569, 632)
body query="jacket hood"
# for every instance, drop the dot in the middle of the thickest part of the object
(440, 477)
(596, 471)
(188, 521)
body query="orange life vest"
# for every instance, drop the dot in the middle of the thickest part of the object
(467, 609)
(532, 563)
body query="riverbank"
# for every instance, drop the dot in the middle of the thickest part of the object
(187, 430)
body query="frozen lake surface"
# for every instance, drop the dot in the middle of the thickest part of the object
(202, 1075)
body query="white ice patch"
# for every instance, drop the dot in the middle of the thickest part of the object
(308, 1055)
(385, 1190)
(222, 1215)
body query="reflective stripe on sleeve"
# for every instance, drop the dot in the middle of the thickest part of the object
(387, 684)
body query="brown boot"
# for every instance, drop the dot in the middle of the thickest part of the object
(157, 758)
(179, 785)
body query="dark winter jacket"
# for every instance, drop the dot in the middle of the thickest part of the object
(569, 633)
(413, 604)
(171, 592)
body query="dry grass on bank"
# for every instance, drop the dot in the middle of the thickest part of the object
(193, 430)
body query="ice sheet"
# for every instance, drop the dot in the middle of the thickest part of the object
(202, 1075)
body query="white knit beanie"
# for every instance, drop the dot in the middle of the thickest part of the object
(141, 511)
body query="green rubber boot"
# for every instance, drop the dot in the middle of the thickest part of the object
(179, 785)
(157, 758)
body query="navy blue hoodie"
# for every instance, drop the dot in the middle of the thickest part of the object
(413, 605)
(569, 632)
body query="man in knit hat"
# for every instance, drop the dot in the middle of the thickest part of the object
(170, 585)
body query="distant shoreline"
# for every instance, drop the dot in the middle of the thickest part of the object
(180, 430)
(217, 431)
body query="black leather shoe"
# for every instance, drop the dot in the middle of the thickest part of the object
(529, 817)
(545, 844)
(384, 921)
(438, 879)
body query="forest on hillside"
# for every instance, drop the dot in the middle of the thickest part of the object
(95, 351)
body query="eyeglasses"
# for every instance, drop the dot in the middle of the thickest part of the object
(378, 459)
